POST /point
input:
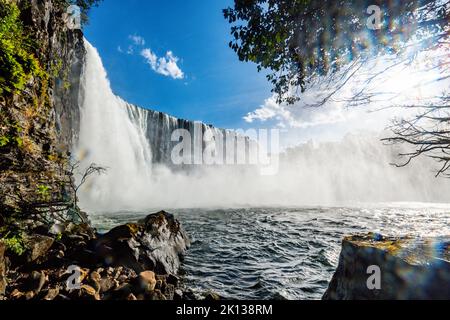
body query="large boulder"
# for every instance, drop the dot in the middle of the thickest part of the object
(156, 243)
(409, 269)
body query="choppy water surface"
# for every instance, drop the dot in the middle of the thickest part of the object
(286, 253)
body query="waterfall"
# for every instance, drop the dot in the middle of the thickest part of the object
(110, 136)
(135, 145)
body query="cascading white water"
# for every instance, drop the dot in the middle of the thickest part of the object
(121, 137)
(109, 137)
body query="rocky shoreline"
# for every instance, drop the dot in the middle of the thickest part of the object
(135, 261)
(141, 261)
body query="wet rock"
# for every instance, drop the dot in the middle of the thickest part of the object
(410, 269)
(163, 241)
(154, 243)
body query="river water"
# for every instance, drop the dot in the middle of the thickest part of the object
(282, 253)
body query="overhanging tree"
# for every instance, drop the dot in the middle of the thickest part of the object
(300, 41)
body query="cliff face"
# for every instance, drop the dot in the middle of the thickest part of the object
(159, 127)
(409, 269)
(34, 122)
(65, 54)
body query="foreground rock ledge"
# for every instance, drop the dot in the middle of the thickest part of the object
(411, 268)
(136, 261)
(155, 243)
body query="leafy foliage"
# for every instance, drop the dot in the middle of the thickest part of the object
(44, 192)
(15, 244)
(17, 60)
(299, 39)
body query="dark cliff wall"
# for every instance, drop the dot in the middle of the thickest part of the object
(38, 122)
(66, 90)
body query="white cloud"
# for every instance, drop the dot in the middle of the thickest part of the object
(166, 65)
(296, 115)
(151, 58)
(137, 40)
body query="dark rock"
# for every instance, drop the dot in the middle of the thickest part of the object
(29, 295)
(159, 284)
(169, 291)
(157, 295)
(154, 243)
(211, 296)
(172, 279)
(94, 280)
(131, 297)
(51, 294)
(89, 293)
(37, 246)
(178, 295)
(122, 291)
(411, 269)
(37, 281)
(188, 294)
(16, 294)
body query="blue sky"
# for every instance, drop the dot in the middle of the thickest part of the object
(214, 87)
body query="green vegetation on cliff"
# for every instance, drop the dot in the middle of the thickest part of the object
(17, 59)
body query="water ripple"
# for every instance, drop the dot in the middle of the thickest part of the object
(282, 253)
